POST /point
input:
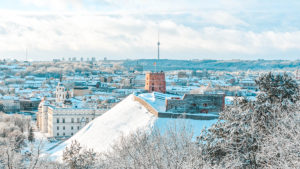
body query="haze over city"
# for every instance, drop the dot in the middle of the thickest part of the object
(120, 29)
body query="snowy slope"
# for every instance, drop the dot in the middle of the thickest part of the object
(126, 117)
(101, 133)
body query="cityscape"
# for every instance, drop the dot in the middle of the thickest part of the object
(150, 87)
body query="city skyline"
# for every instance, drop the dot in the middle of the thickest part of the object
(122, 29)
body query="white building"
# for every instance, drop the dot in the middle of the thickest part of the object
(65, 116)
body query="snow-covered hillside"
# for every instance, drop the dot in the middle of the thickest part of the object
(126, 117)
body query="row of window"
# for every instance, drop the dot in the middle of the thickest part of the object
(63, 134)
(72, 120)
(72, 128)
(194, 105)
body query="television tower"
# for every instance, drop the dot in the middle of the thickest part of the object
(158, 43)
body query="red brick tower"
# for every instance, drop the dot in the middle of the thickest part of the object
(155, 82)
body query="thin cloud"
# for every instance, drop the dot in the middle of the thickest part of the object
(128, 29)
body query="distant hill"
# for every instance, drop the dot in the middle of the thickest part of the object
(222, 65)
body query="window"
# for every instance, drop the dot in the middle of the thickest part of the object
(72, 120)
(71, 127)
(71, 134)
(78, 120)
(205, 105)
(63, 120)
(152, 88)
(57, 127)
(57, 134)
(87, 119)
(57, 120)
(77, 127)
(64, 128)
(64, 134)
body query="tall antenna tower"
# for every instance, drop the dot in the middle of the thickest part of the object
(158, 43)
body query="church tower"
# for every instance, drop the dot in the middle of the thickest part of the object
(62, 93)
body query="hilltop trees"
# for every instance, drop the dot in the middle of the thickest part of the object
(77, 157)
(172, 149)
(260, 134)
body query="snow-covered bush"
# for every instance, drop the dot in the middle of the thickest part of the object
(77, 157)
(172, 148)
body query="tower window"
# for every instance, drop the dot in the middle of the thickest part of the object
(63, 120)
(64, 128)
(57, 120)
(71, 127)
(57, 127)
(72, 120)
(57, 134)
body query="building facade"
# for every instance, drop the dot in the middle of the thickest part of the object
(64, 117)
(196, 104)
(155, 82)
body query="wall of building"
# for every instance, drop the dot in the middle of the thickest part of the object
(11, 106)
(66, 122)
(81, 92)
(196, 104)
(155, 82)
(146, 105)
(29, 105)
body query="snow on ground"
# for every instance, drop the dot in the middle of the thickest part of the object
(157, 100)
(101, 133)
(46, 144)
(126, 117)
(196, 125)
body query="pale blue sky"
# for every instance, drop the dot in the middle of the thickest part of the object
(127, 29)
